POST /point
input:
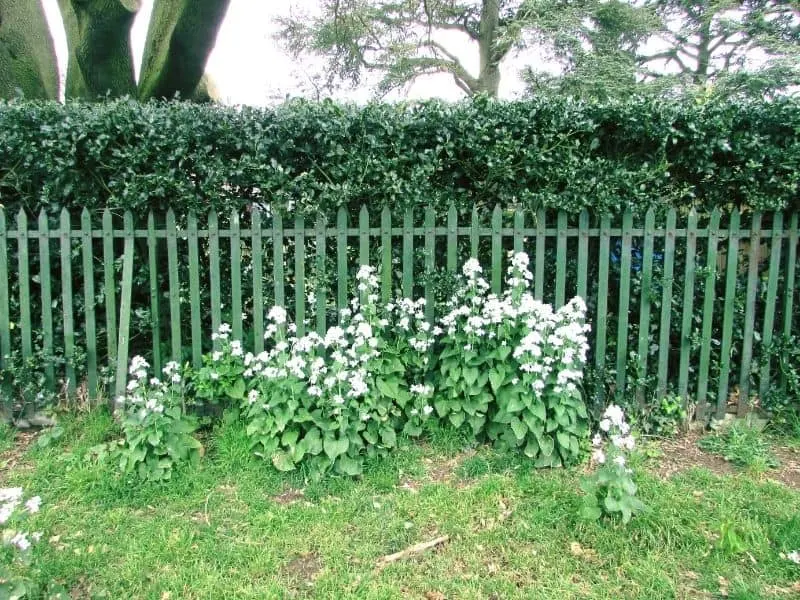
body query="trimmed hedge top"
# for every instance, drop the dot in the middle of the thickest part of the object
(319, 156)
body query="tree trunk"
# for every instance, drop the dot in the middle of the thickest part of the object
(180, 38)
(703, 53)
(27, 55)
(100, 58)
(489, 77)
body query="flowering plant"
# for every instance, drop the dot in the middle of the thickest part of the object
(329, 401)
(158, 430)
(222, 373)
(510, 366)
(16, 562)
(610, 489)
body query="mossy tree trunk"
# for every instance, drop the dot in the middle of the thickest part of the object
(27, 55)
(100, 64)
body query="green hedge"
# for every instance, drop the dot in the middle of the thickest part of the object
(313, 156)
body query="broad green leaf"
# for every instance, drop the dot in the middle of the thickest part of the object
(334, 447)
(283, 461)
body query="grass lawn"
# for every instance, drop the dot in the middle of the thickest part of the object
(235, 528)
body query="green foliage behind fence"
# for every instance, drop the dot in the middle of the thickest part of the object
(311, 157)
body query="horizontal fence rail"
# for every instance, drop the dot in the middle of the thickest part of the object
(678, 303)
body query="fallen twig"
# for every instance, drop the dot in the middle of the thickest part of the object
(411, 550)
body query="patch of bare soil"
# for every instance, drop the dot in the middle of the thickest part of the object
(683, 453)
(437, 470)
(12, 457)
(289, 496)
(303, 570)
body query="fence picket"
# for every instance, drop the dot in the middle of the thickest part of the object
(645, 300)
(236, 276)
(666, 303)
(277, 258)
(688, 306)
(319, 275)
(194, 288)
(624, 300)
(497, 249)
(771, 300)
(474, 234)
(110, 292)
(583, 253)
(430, 258)
(214, 276)
(47, 299)
(541, 219)
(363, 236)
(88, 300)
(408, 253)
(452, 239)
(749, 314)
(386, 254)
(341, 258)
(5, 317)
(788, 294)
(175, 288)
(709, 291)
(125, 307)
(300, 275)
(258, 280)
(728, 314)
(561, 260)
(602, 294)
(25, 323)
(66, 302)
(519, 225)
(155, 314)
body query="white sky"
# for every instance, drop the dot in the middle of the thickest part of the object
(249, 67)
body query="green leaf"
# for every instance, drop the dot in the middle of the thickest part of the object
(519, 428)
(236, 392)
(388, 437)
(334, 447)
(496, 377)
(283, 461)
(471, 375)
(349, 466)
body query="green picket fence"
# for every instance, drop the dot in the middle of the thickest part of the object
(736, 278)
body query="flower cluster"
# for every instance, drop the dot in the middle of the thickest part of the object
(508, 360)
(11, 499)
(155, 423)
(329, 400)
(611, 489)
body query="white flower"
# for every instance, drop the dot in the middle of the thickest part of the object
(277, 314)
(597, 440)
(471, 268)
(615, 415)
(11, 494)
(214, 376)
(605, 424)
(216, 356)
(6, 511)
(794, 556)
(599, 456)
(36, 536)
(224, 328)
(236, 348)
(252, 396)
(33, 504)
(427, 409)
(620, 460)
(21, 541)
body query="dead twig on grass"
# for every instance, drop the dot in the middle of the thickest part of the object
(411, 550)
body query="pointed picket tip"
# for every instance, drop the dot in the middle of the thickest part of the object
(170, 217)
(43, 221)
(65, 217)
(127, 220)
(584, 218)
